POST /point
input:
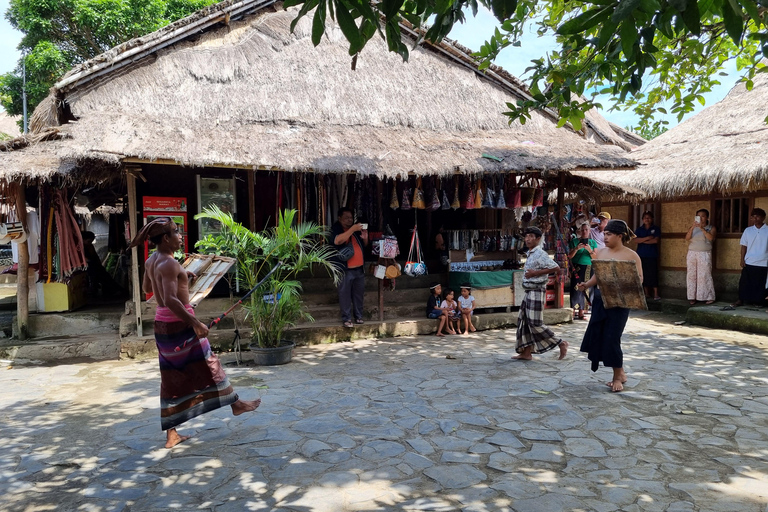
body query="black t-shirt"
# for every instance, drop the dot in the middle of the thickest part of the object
(432, 303)
(336, 230)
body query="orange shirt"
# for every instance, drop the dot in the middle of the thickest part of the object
(356, 260)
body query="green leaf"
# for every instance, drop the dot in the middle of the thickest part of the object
(749, 84)
(624, 10)
(734, 24)
(678, 4)
(606, 33)
(318, 23)
(348, 27)
(583, 21)
(691, 17)
(503, 9)
(576, 123)
(751, 9)
(628, 34)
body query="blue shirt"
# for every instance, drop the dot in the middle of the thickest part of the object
(648, 250)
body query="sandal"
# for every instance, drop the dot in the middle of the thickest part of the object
(709, 302)
(359, 321)
(692, 302)
(349, 324)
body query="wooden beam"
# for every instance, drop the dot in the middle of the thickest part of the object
(22, 274)
(133, 224)
(252, 199)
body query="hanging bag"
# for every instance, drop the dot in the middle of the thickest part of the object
(414, 265)
(501, 202)
(456, 204)
(418, 197)
(469, 199)
(394, 203)
(405, 204)
(479, 195)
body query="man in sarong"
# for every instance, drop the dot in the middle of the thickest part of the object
(192, 381)
(533, 337)
(754, 261)
(602, 340)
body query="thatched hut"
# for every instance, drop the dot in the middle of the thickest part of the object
(228, 95)
(714, 160)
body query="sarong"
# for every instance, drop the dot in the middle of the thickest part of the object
(752, 284)
(579, 275)
(531, 330)
(698, 278)
(192, 381)
(602, 340)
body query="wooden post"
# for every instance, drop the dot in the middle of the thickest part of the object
(559, 282)
(22, 274)
(135, 282)
(380, 227)
(252, 199)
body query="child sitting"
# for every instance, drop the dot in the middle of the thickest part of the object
(433, 307)
(466, 306)
(449, 305)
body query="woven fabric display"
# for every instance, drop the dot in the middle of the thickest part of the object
(469, 198)
(501, 202)
(434, 204)
(456, 204)
(479, 194)
(445, 205)
(405, 204)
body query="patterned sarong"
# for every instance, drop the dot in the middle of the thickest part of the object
(530, 324)
(192, 381)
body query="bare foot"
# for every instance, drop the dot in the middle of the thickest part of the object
(173, 438)
(472, 328)
(616, 385)
(522, 357)
(563, 348)
(440, 334)
(465, 333)
(242, 406)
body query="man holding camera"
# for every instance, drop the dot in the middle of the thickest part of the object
(349, 239)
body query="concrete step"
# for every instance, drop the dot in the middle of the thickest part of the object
(329, 331)
(58, 349)
(331, 296)
(323, 284)
(93, 321)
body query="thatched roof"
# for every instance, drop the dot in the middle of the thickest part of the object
(251, 94)
(723, 150)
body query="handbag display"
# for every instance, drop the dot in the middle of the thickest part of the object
(414, 265)
(501, 202)
(418, 197)
(456, 204)
(389, 248)
(469, 199)
(380, 272)
(479, 195)
(434, 204)
(393, 271)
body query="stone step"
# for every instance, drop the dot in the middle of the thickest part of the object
(398, 295)
(329, 331)
(58, 349)
(322, 284)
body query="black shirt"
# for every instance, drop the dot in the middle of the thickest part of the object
(432, 303)
(336, 230)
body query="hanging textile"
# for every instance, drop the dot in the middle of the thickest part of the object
(405, 204)
(434, 204)
(538, 197)
(500, 200)
(393, 202)
(469, 199)
(489, 198)
(71, 253)
(479, 194)
(456, 204)
(418, 196)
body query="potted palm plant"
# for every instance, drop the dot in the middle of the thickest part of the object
(277, 305)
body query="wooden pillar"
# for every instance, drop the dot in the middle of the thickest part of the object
(22, 274)
(252, 199)
(559, 209)
(133, 224)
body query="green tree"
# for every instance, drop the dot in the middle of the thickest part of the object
(648, 133)
(643, 53)
(59, 34)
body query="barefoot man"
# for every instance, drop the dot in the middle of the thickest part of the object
(533, 337)
(602, 340)
(192, 381)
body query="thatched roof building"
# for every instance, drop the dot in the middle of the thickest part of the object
(230, 86)
(721, 150)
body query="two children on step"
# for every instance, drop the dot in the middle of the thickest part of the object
(448, 311)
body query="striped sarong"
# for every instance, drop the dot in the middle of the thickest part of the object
(192, 381)
(531, 330)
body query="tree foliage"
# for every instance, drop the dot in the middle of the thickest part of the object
(642, 53)
(59, 34)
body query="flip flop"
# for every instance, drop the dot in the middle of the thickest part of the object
(709, 302)
(728, 308)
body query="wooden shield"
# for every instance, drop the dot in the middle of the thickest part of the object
(209, 269)
(619, 284)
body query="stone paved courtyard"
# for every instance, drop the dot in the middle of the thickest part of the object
(407, 424)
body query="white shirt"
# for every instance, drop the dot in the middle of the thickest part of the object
(756, 242)
(598, 236)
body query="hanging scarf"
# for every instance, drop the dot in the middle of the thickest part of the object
(456, 204)
(393, 202)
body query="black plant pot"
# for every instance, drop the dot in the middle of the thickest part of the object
(272, 356)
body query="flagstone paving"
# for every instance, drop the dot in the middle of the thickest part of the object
(397, 425)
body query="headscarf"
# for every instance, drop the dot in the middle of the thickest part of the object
(619, 227)
(158, 226)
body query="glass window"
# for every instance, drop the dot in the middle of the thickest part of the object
(215, 192)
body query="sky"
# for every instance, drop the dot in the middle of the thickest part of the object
(472, 35)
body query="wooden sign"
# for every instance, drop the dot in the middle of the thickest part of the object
(619, 283)
(209, 269)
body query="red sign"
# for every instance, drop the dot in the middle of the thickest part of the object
(165, 204)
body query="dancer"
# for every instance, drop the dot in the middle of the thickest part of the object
(192, 381)
(602, 340)
(532, 335)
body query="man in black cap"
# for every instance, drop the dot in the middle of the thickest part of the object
(533, 337)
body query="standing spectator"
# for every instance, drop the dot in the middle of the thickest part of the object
(699, 276)
(582, 250)
(345, 232)
(597, 233)
(754, 260)
(648, 235)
